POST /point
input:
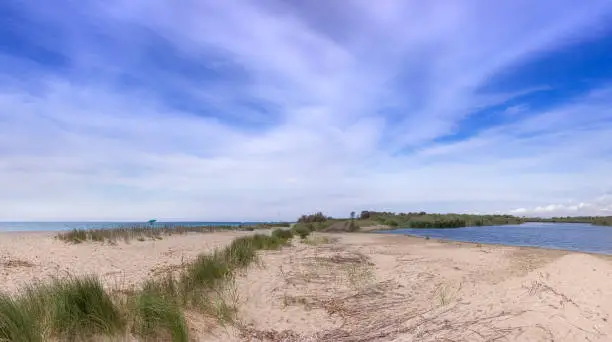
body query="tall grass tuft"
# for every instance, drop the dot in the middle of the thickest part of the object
(241, 252)
(159, 317)
(68, 309)
(206, 272)
(16, 322)
(81, 307)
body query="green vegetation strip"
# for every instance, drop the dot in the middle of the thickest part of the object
(142, 232)
(594, 220)
(320, 222)
(79, 308)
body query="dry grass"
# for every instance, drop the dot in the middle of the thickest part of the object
(343, 283)
(315, 240)
(14, 263)
(539, 287)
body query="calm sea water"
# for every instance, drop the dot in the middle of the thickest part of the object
(568, 236)
(54, 226)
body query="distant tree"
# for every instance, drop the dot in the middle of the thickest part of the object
(316, 217)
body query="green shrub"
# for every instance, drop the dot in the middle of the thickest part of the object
(391, 223)
(261, 241)
(302, 231)
(282, 233)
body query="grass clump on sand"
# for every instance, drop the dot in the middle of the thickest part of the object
(159, 317)
(141, 232)
(199, 286)
(280, 233)
(17, 323)
(209, 271)
(67, 309)
(80, 306)
(302, 231)
(80, 309)
(315, 240)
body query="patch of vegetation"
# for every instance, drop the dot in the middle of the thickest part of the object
(200, 284)
(595, 220)
(315, 240)
(321, 222)
(80, 309)
(80, 306)
(141, 232)
(67, 309)
(159, 317)
(302, 231)
(17, 322)
(282, 233)
(312, 218)
(425, 220)
(391, 223)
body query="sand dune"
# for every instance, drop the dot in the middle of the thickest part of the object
(360, 287)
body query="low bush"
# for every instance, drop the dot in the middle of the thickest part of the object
(302, 231)
(391, 223)
(282, 233)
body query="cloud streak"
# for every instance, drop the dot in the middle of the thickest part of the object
(226, 111)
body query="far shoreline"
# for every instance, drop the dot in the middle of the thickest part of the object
(490, 244)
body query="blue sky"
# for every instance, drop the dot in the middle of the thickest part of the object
(221, 110)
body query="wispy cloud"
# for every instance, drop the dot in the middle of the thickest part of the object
(224, 110)
(600, 206)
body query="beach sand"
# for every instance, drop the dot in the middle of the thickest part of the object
(359, 287)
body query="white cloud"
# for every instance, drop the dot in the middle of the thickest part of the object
(352, 93)
(600, 206)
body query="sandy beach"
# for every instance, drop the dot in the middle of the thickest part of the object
(357, 287)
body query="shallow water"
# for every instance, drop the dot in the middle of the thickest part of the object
(568, 236)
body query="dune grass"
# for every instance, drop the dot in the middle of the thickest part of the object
(69, 309)
(315, 240)
(282, 233)
(140, 232)
(79, 308)
(159, 317)
(17, 322)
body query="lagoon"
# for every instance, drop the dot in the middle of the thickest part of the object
(567, 236)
